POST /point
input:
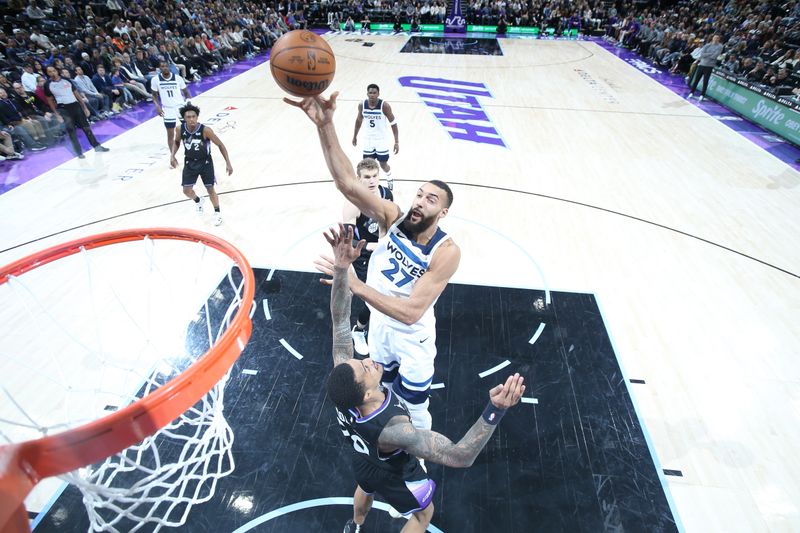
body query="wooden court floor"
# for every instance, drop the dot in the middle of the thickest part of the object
(580, 175)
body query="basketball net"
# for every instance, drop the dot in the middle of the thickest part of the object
(112, 335)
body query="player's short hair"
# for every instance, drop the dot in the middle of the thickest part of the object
(446, 188)
(189, 107)
(343, 388)
(373, 86)
(367, 163)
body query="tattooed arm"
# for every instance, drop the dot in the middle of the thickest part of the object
(435, 447)
(344, 254)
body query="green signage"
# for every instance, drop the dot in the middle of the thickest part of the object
(406, 27)
(764, 111)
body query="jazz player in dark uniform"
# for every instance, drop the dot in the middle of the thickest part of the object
(386, 446)
(196, 139)
(369, 230)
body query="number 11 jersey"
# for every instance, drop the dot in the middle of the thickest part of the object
(170, 91)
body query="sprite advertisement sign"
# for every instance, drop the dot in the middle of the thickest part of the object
(764, 111)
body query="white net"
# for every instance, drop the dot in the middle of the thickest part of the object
(93, 332)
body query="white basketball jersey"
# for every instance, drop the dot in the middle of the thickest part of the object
(395, 266)
(170, 92)
(375, 121)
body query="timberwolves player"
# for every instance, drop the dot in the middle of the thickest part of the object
(197, 139)
(378, 114)
(385, 443)
(369, 230)
(409, 269)
(169, 94)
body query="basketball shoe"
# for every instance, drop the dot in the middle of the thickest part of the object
(360, 341)
(352, 527)
(217, 219)
(198, 206)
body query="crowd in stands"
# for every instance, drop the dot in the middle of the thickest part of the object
(111, 50)
(760, 39)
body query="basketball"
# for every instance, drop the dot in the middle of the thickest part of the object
(302, 63)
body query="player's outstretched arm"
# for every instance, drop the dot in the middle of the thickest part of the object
(344, 253)
(437, 448)
(320, 111)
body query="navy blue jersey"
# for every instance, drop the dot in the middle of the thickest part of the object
(363, 433)
(369, 229)
(196, 148)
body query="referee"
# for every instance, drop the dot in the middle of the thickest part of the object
(69, 108)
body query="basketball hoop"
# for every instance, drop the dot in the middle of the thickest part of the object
(173, 358)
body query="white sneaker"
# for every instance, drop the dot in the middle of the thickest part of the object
(199, 206)
(701, 99)
(360, 341)
(217, 219)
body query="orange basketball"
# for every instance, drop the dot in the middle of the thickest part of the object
(302, 63)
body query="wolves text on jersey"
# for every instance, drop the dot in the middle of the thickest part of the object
(403, 269)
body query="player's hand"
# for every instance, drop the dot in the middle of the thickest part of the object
(396, 147)
(173, 163)
(355, 141)
(508, 394)
(341, 241)
(319, 110)
(159, 111)
(59, 117)
(229, 169)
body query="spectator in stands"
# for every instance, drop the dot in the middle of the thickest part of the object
(28, 78)
(24, 129)
(127, 100)
(757, 73)
(131, 84)
(105, 85)
(34, 12)
(731, 64)
(35, 109)
(98, 100)
(7, 147)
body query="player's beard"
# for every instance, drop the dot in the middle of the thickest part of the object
(418, 227)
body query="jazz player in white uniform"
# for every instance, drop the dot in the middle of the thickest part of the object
(409, 268)
(378, 115)
(169, 94)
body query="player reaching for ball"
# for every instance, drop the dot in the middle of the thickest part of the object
(386, 446)
(197, 139)
(409, 268)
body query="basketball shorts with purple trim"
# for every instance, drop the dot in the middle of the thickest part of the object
(405, 492)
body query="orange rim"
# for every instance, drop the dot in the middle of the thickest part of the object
(90, 443)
